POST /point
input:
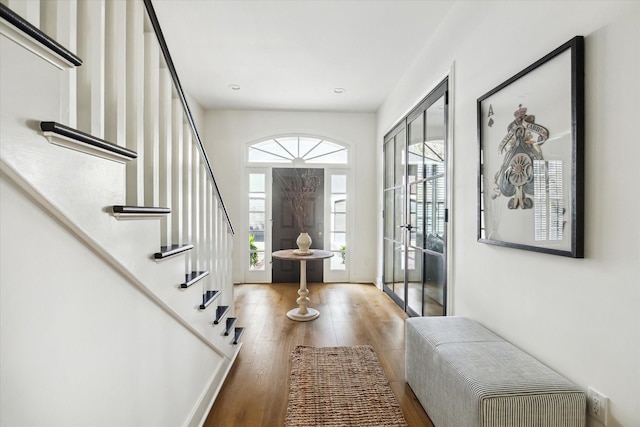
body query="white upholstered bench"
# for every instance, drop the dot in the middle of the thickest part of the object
(466, 376)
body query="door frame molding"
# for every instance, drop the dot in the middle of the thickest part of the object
(267, 168)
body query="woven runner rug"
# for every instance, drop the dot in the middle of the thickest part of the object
(340, 386)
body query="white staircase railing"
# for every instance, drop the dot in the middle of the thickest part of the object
(126, 92)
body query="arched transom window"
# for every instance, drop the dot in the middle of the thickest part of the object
(298, 149)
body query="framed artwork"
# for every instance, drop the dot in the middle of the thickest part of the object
(531, 156)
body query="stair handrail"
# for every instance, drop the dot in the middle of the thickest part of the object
(26, 27)
(185, 105)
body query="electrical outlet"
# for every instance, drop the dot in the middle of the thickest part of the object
(597, 405)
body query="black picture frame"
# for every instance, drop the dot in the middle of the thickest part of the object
(531, 156)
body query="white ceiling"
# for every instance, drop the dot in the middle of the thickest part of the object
(290, 55)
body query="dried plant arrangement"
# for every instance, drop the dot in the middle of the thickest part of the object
(300, 190)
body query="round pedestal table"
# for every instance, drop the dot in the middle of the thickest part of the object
(303, 313)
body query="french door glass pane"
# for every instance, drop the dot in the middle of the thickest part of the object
(417, 206)
(388, 164)
(388, 263)
(399, 158)
(398, 213)
(416, 149)
(439, 209)
(434, 213)
(414, 205)
(429, 208)
(398, 270)
(434, 282)
(389, 227)
(434, 137)
(414, 281)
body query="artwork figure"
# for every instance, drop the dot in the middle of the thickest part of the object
(521, 147)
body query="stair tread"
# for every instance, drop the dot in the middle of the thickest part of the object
(221, 311)
(208, 297)
(237, 334)
(141, 209)
(167, 251)
(193, 278)
(231, 322)
(85, 138)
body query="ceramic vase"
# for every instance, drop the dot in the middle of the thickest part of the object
(304, 242)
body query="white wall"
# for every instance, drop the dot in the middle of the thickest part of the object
(227, 133)
(581, 317)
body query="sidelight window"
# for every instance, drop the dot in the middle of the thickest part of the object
(339, 221)
(257, 219)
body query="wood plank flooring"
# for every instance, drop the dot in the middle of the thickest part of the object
(256, 390)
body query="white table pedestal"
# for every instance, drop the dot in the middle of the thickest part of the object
(303, 313)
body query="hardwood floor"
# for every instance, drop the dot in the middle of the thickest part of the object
(255, 392)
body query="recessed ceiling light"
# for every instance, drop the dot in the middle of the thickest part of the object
(339, 90)
(234, 87)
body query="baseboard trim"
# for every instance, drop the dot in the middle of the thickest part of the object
(208, 396)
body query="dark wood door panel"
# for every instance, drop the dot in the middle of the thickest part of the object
(285, 230)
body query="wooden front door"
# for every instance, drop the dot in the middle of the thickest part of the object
(285, 230)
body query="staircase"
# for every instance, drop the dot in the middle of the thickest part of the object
(116, 297)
